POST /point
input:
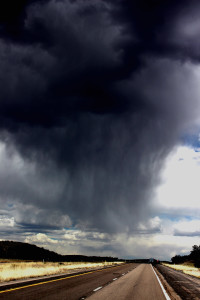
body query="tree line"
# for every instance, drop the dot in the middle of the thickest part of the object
(194, 256)
(25, 251)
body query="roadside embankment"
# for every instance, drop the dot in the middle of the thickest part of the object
(185, 268)
(21, 270)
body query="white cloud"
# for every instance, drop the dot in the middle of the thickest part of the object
(6, 221)
(79, 235)
(180, 187)
(40, 239)
(187, 228)
(150, 226)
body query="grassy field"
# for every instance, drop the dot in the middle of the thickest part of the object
(12, 270)
(187, 268)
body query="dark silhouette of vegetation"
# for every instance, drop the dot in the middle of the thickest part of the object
(139, 260)
(25, 251)
(178, 259)
(78, 258)
(194, 256)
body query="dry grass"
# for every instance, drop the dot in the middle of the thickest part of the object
(186, 268)
(17, 270)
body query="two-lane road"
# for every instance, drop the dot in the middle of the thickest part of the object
(128, 281)
(139, 284)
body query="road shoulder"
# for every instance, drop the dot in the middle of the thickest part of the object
(170, 291)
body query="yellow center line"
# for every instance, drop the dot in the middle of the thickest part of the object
(53, 280)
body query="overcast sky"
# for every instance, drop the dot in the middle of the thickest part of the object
(100, 125)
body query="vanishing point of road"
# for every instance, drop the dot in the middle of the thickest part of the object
(127, 281)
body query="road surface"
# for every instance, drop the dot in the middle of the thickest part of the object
(139, 284)
(186, 286)
(73, 287)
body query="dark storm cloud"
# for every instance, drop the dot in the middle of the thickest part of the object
(82, 99)
(76, 52)
(162, 28)
(186, 233)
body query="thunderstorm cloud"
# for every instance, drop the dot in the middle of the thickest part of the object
(94, 96)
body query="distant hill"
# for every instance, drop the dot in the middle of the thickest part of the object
(25, 251)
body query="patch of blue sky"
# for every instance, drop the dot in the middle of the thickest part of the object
(70, 228)
(176, 217)
(192, 140)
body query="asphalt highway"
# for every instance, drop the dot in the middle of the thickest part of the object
(139, 284)
(126, 282)
(72, 287)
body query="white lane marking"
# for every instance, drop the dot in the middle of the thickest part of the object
(115, 279)
(100, 287)
(164, 292)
